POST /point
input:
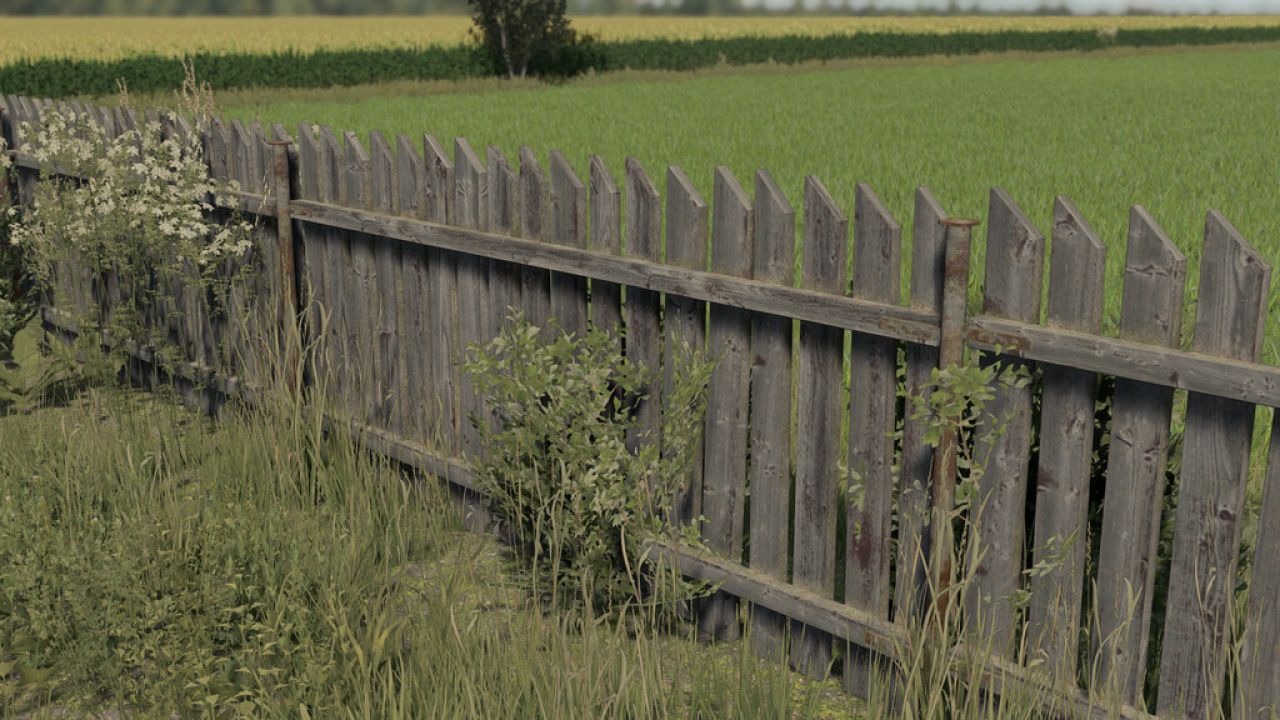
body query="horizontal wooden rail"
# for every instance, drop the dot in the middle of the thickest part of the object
(1183, 369)
(882, 319)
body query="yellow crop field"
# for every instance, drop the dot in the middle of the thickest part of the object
(118, 37)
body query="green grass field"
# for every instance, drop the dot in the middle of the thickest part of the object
(1179, 132)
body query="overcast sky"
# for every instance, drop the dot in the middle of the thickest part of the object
(1082, 7)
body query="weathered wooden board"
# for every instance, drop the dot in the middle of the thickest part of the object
(535, 224)
(1230, 313)
(569, 228)
(1259, 694)
(928, 249)
(1015, 257)
(504, 218)
(472, 201)
(387, 288)
(769, 480)
(643, 310)
(684, 325)
(873, 405)
(724, 476)
(315, 247)
(337, 277)
(362, 355)
(416, 340)
(1076, 290)
(442, 274)
(605, 208)
(820, 401)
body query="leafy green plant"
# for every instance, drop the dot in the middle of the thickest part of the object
(17, 301)
(531, 37)
(559, 469)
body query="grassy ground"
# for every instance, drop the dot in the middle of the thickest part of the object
(119, 37)
(153, 562)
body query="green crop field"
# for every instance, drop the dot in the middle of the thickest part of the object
(1177, 132)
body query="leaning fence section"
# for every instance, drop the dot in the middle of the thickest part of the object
(401, 253)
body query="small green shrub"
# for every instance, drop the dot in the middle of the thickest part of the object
(559, 470)
(530, 37)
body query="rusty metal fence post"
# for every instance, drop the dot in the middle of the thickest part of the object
(942, 476)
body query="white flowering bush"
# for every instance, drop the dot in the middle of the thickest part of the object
(17, 305)
(130, 213)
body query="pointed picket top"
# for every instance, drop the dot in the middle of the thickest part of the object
(355, 172)
(877, 255)
(332, 179)
(308, 164)
(471, 192)
(606, 233)
(382, 165)
(928, 250)
(221, 160)
(775, 237)
(242, 164)
(504, 214)
(1154, 281)
(644, 207)
(732, 226)
(106, 121)
(439, 177)
(1234, 280)
(568, 203)
(1077, 270)
(410, 181)
(686, 222)
(535, 196)
(1015, 261)
(181, 126)
(826, 232)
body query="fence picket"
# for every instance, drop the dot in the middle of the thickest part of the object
(472, 199)
(535, 224)
(643, 310)
(1259, 695)
(361, 357)
(605, 237)
(1076, 288)
(442, 274)
(314, 244)
(820, 402)
(724, 477)
(877, 269)
(390, 296)
(1230, 313)
(769, 479)
(504, 218)
(684, 322)
(568, 227)
(416, 340)
(1015, 258)
(338, 279)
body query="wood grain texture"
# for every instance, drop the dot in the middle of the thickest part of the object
(769, 479)
(605, 207)
(928, 249)
(1151, 312)
(472, 201)
(1230, 313)
(643, 310)
(1259, 692)
(387, 283)
(724, 476)
(504, 218)
(820, 401)
(535, 224)
(337, 278)
(1015, 257)
(873, 405)
(442, 275)
(361, 351)
(1076, 289)
(684, 322)
(411, 201)
(315, 248)
(569, 228)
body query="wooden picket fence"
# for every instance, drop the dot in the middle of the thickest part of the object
(406, 254)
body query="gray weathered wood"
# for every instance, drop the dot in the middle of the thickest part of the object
(535, 224)
(1015, 258)
(1230, 313)
(643, 310)
(312, 241)
(724, 476)
(442, 273)
(504, 218)
(569, 228)
(769, 481)
(1076, 289)
(873, 402)
(820, 401)
(684, 324)
(606, 237)
(472, 198)
(1151, 312)
(1259, 693)
(361, 352)
(415, 286)
(928, 249)
(390, 296)
(337, 275)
